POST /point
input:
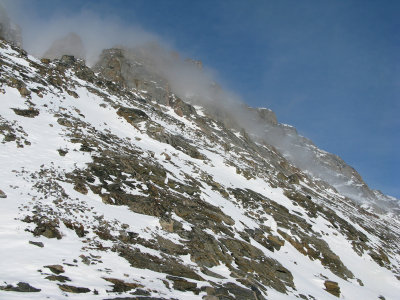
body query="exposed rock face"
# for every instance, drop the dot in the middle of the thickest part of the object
(71, 44)
(21, 287)
(265, 115)
(136, 68)
(154, 198)
(133, 69)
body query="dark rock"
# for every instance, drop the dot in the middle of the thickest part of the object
(59, 278)
(62, 152)
(2, 194)
(56, 269)
(176, 141)
(39, 244)
(47, 229)
(22, 287)
(228, 290)
(170, 247)
(294, 179)
(68, 60)
(380, 257)
(29, 113)
(210, 297)
(10, 137)
(120, 286)
(181, 284)
(276, 241)
(332, 287)
(132, 115)
(81, 188)
(139, 298)
(85, 259)
(86, 148)
(167, 225)
(181, 108)
(64, 122)
(73, 94)
(73, 289)
(154, 263)
(281, 176)
(77, 227)
(141, 292)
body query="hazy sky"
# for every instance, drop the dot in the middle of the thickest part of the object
(329, 68)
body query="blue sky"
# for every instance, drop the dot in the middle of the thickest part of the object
(329, 68)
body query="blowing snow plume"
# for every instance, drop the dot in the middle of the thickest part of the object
(83, 33)
(8, 30)
(142, 60)
(71, 44)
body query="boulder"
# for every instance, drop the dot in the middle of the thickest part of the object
(73, 289)
(29, 113)
(132, 115)
(39, 244)
(332, 287)
(56, 269)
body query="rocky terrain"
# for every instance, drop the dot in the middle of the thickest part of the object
(114, 184)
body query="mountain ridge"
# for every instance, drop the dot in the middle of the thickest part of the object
(154, 198)
(121, 66)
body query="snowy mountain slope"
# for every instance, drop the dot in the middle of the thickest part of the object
(159, 72)
(110, 194)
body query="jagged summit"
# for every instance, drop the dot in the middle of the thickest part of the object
(116, 183)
